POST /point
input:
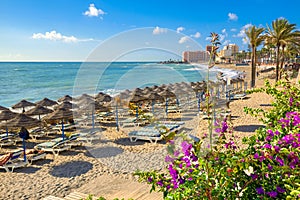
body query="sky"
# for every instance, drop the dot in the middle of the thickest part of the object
(71, 30)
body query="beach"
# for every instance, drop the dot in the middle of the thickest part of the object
(105, 168)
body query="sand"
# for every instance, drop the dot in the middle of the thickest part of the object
(105, 168)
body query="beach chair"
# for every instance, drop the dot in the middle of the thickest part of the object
(130, 121)
(155, 132)
(6, 141)
(238, 96)
(37, 133)
(12, 161)
(151, 135)
(86, 136)
(34, 155)
(54, 146)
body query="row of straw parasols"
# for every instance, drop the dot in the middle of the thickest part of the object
(59, 111)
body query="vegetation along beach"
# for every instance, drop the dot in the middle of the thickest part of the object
(126, 100)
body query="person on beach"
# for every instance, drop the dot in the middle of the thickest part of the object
(24, 133)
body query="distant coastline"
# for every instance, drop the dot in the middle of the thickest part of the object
(173, 62)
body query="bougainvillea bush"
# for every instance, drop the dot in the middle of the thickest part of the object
(269, 168)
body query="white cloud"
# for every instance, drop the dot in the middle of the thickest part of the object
(232, 16)
(221, 37)
(196, 35)
(53, 35)
(157, 30)
(180, 29)
(208, 38)
(93, 11)
(242, 32)
(245, 40)
(224, 30)
(226, 42)
(183, 39)
(233, 30)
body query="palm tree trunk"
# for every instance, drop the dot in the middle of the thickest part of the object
(253, 67)
(277, 62)
(282, 62)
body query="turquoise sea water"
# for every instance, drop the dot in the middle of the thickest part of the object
(35, 80)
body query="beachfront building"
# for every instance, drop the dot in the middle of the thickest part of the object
(228, 53)
(195, 56)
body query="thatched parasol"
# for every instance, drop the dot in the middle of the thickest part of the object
(66, 105)
(84, 96)
(60, 114)
(137, 98)
(105, 98)
(21, 120)
(155, 97)
(38, 110)
(7, 115)
(3, 108)
(65, 98)
(22, 104)
(46, 102)
(167, 94)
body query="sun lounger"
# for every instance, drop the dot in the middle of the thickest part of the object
(37, 133)
(239, 96)
(155, 132)
(34, 155)
(54, 146)
(89, 136)
(12, 161)
(130, 121)
(6, 141)
(152, 135)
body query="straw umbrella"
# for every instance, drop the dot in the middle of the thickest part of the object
(95, 106)
(38, 110)
(23, 121)
(136, 98)
(167, 94)
(22, 104)
(84, 96)
(46, 102)
(65, 98)
(3, 108)
(7, 115)
(154, 97)
(61, 114)
(65, 105)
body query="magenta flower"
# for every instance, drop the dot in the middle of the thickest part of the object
(267, 146)
(224, 127)
(280, 161)
(168, 158)
(291, 101)
(254, 176)
(272, 194)
(280, 190)
(160, 183)
(277, 148)
(270, 167)
(176, 153)
(260, 190)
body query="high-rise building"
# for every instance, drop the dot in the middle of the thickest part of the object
(195, 56)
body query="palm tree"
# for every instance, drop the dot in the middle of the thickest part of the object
(281, 34)
(255, 38)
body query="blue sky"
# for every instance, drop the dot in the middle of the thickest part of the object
(66, 30)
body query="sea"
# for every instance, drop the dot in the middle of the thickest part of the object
(34, 81)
